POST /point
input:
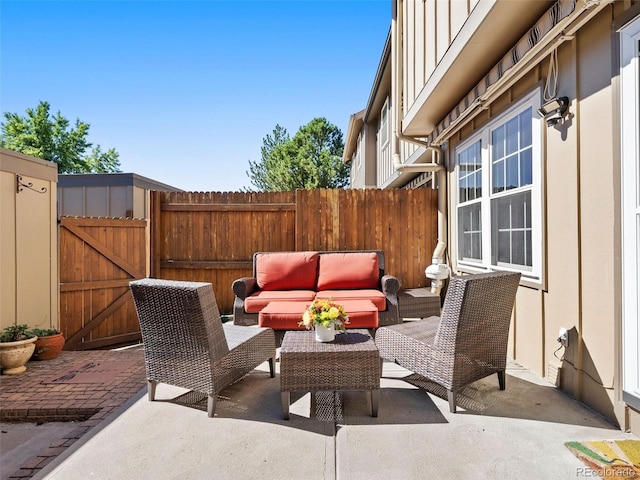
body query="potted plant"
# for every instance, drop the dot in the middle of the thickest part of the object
(325, 316)
(49, 343)
(16, 347)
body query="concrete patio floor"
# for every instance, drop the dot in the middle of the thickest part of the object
(52, 414)
(513, 434)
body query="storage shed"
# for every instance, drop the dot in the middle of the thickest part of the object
(106, 194)
(28, 241)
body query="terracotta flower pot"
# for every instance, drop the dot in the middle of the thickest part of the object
(14, 355)
(48, 347)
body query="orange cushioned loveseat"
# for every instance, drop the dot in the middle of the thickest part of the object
(285, 283)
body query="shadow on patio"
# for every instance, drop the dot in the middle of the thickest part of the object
(414, 436)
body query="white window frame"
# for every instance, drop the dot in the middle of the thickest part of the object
(384, 124)
(630, 200)
(534, 274)
(477, 138)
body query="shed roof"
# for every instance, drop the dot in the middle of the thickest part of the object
(112, 180)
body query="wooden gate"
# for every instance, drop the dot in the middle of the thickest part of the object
(98, 259)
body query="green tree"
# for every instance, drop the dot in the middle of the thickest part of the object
(50, 137)
(258, 171)
(311, 159)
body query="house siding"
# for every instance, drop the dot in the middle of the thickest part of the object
(369, 158)
(580, 285)
(358, 179)
(580, 241)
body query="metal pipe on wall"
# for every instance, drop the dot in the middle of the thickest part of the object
(438, 271)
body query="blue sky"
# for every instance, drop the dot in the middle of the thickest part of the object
(185, 91)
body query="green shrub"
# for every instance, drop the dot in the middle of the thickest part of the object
(14, 333)
(44, 332)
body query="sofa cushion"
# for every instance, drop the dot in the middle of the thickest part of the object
(287, 315)
(283, 315)
(287, 270)
(349, 270)
(375, 296)
(256, 302)
(361, 313)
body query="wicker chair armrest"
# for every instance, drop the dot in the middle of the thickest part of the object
(390, 285)
(243, 287)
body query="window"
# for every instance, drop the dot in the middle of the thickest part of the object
(469, 208)
(630, 211)
(384, 124)
(498, 192)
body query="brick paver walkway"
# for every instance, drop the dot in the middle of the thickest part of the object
(25, 397)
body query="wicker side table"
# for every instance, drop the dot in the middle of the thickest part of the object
(350, 362)
(418, 303)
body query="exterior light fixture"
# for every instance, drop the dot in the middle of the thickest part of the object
(553, 110)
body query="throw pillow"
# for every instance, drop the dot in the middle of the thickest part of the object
(287, 270)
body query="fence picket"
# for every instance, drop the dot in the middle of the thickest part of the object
(212, 236)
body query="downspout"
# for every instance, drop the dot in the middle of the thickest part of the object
(438, 271)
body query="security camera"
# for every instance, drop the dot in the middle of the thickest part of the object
(553, 110)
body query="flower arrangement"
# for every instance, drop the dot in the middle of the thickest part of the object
(325, 313)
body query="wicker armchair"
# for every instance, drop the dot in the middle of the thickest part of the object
(187, 345)
(467, 343)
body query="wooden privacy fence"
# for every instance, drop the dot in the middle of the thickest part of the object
(98, 258)
(211, 237)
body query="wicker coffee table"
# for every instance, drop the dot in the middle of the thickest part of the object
(350, 362)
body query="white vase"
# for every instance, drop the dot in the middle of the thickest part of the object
(325, 334)
(14, 355)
